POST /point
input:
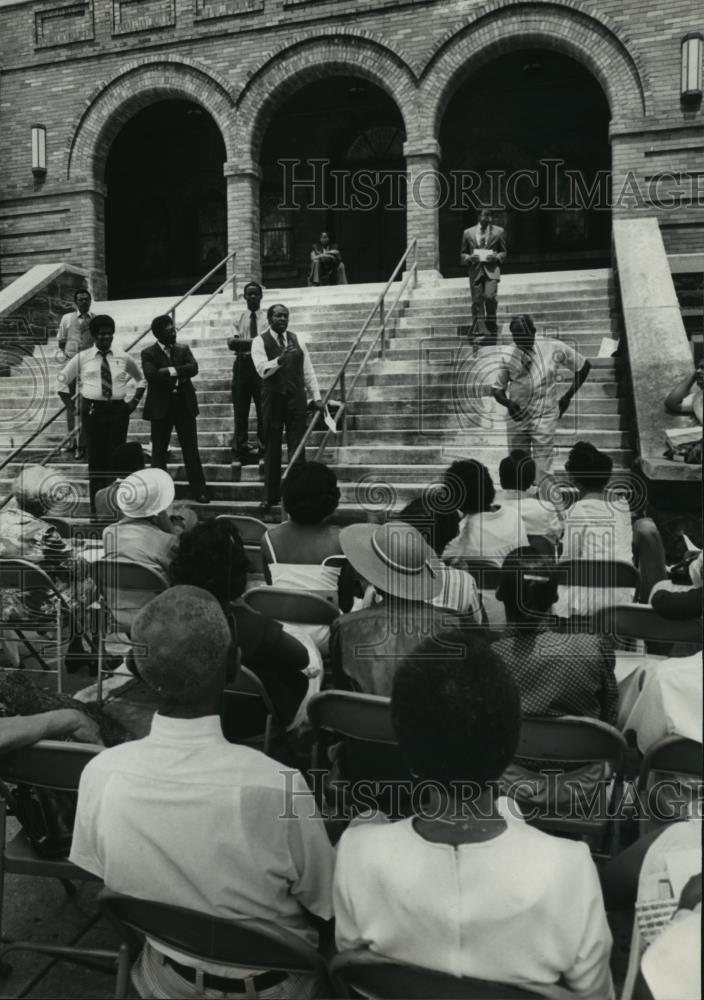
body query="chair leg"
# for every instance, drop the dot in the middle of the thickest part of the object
(124, 961)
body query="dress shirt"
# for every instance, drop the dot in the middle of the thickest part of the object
(74, 333)
(169, 360)
(489, 535)
(86, 368)
(533, 375)
(540, 517)
(241, 325)
(266, 368)
(186, 818)
(521, 908)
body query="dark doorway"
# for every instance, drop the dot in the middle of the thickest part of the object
(542, 114)
(165, 211)
(358, 130)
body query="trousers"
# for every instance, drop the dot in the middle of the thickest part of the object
(484, 301)
(184, 423)
(105, 424)
(246, 388)
(281, 412)
(535, 434)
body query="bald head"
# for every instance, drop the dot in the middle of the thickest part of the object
(184, 641)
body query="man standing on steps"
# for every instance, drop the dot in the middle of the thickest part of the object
(246, 383)
(74, 337)
(171, 402)
(287, 373)
(103, 373)
(483, 252)
(528, 385)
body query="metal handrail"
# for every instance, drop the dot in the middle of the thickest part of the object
(340, 379)
(170, 312)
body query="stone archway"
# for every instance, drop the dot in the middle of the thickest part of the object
(111, 106)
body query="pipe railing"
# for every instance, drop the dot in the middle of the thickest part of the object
(340, 379)
(232, 279)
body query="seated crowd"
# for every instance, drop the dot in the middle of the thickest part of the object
(461, 613)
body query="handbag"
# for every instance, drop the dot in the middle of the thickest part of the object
(46, 815)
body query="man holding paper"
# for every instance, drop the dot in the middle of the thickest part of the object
(484, 251)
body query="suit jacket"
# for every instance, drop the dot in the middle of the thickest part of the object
(162, 387)
(495, 240)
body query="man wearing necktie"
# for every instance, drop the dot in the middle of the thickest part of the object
(171, 402)
(483, 253)
(103, 373)
(285, 368)
(246, 383)
(74, 337)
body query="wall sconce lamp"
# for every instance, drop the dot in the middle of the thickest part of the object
(38, 150)
(692, 67)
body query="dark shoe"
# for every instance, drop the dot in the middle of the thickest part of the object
(79, 454)
(265, 508)
(248, 458)
(202, 498)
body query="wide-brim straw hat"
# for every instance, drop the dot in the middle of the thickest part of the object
(145, 493)
(394, 558)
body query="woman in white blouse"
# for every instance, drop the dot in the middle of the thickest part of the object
(466, 887)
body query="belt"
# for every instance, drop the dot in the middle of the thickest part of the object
(263, 981)
(102, 402)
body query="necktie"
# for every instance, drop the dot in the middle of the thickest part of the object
(282, 342)
(253, 331)
(105, 376)
(482, 242)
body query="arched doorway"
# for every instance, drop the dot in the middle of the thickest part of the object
(529, 131)
(165, 210)
(357, 130)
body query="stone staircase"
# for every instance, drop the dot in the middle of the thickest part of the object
(422, 406)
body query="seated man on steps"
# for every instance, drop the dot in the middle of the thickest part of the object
(186, 818)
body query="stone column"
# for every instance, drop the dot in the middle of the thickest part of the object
(425, 192)
(87, 202)
(243, 219)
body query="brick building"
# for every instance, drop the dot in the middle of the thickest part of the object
(167, 123)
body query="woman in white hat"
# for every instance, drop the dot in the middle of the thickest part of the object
(143, 533)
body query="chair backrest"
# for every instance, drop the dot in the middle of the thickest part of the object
(361, 973)
(74, 529)
(246, 706)
(640, 621)
(487, 574)
(370, 751)
(604, 574)
(672, 754)
(240, 941)
(571, 740)
(335, 562)
(292, 606)
(48, 764)
(126, 587)
(26, 576)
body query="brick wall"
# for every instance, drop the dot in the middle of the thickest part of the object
(83, 67)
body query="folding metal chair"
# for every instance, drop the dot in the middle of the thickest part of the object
(674, 766)
(27, 577)
(640, 621)
(242, 942)
(367, 750)
(364, 974)
(240, 705)
(606, 574)
(57, 766)
(577, 768)
(487, 573)
(293, 606)
(124, 588)
(250, 530)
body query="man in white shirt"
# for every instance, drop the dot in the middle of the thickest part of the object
(246, 383)
(540, 518)
(104, 374)
(186, 818)
(73, 337)
(529, 387)
(287, 374)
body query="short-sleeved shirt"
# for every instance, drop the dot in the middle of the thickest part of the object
(186, 818)
(532, 378)
(74, 333)
(86, 367)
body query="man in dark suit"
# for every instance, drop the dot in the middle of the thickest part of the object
(171, 402)
(484, 251)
